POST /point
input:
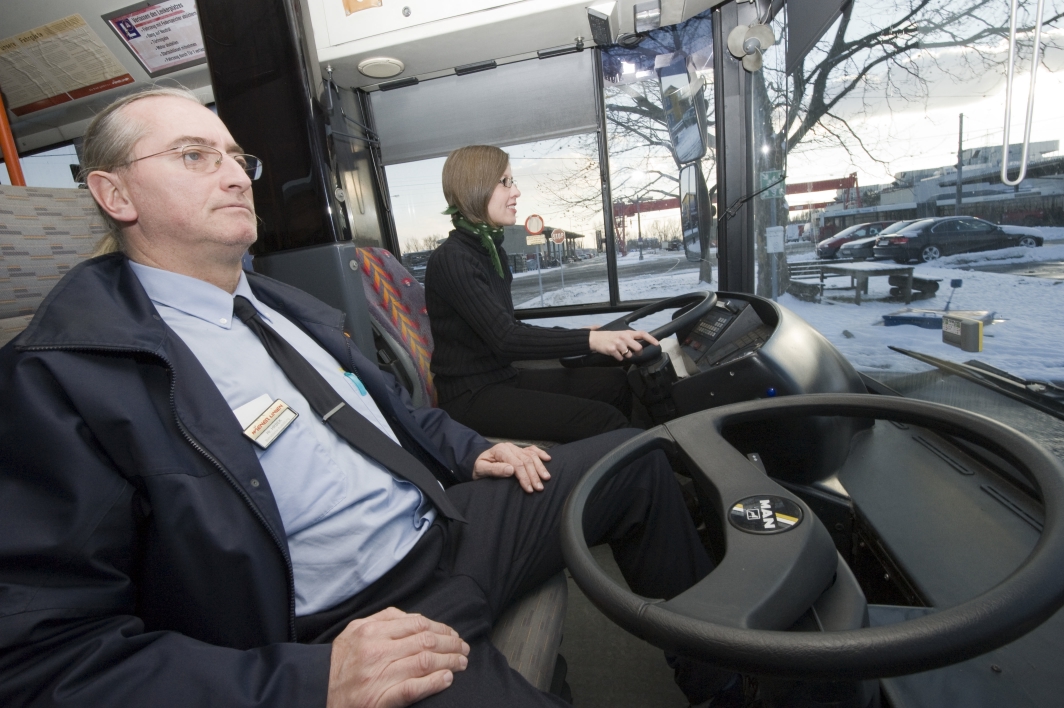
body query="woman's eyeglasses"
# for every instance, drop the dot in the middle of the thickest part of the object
(508, 182)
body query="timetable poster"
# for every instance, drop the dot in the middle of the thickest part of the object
(56, 63)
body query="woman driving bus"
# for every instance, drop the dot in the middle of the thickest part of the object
(477, 338)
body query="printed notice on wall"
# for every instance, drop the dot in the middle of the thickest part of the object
(56, 63)
(164, 36)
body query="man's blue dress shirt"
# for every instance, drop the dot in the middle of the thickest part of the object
(348, 519)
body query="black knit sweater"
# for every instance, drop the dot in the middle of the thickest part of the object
(475, 332)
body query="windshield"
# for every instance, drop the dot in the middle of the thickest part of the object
(848, 231)
(900, 108)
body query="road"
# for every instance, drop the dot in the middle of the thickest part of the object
(1053, 270)
(526, 287)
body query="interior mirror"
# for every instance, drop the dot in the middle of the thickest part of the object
(684, 106)
(696, 213)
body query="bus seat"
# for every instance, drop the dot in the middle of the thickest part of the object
(400, 321)
(46, 232)
(530, 631)
(397, 312)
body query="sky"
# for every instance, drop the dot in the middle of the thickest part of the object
(923, 133)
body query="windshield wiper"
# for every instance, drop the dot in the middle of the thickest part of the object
(1046, 397)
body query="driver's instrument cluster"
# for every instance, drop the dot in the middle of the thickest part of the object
(730, 331)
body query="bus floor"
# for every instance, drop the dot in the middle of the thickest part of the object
(607, 666)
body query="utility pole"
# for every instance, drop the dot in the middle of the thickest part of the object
(639, 223)
(960, 165)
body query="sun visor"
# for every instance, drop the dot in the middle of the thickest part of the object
(807, 20)
(516, 103)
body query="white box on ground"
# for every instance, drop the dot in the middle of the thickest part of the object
(963, 332)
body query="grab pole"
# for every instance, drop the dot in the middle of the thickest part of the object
(7, 146)
(1030, 96)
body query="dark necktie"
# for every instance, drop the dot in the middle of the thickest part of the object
(350, 425)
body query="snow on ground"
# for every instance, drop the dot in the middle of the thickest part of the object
(679, 280)
(1026, 339)
(1050, 233)
(629, 261)
(1004, 256)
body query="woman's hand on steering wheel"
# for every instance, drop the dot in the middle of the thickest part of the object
(620, 344)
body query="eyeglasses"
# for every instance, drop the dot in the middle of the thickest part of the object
(201, 158)
(508, 182)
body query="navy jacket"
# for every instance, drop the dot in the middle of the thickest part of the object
(142, 557)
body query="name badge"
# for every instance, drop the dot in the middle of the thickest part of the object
(265, 429)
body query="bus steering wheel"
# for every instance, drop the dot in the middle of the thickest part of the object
(698, 304)
(734, 617)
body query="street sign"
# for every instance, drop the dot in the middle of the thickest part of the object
(774, 239)
(538, 240)
(778, 190)
(534, 225)
(558, 236)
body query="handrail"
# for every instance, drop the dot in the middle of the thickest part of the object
(9, 149)
(1030, 96)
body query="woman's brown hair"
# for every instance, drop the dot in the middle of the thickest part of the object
(469, 178)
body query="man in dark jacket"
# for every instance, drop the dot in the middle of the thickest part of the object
(154, 551)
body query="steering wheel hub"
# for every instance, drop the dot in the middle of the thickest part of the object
(765, 514)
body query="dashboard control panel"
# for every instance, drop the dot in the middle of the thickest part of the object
(730, 331)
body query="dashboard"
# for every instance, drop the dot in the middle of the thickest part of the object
(730, 331)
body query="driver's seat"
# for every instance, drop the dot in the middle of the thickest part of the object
(530, 631)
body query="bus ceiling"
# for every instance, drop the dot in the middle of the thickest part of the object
(427, 38)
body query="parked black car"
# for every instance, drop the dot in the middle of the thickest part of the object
(930, 239)
(830, 246)
(861, 249)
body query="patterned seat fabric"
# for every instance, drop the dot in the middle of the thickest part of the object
(529, 633)
(397, 305)
(43, 234)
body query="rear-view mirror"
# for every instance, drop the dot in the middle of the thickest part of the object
(684, 106)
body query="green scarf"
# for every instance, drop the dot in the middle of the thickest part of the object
(490, 236)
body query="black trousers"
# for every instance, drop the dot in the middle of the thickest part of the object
(561, 405)
(465, 575)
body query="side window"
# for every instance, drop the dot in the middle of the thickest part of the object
(571, 271)
(51, 167)
(658, 97)
(860, 233)
(946, 227)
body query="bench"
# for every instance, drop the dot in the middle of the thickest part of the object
(860, 273)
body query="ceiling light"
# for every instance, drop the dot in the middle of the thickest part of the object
(380, 67)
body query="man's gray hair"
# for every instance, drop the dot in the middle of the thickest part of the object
(108, 145)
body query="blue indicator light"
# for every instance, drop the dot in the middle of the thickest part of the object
(771, 393)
